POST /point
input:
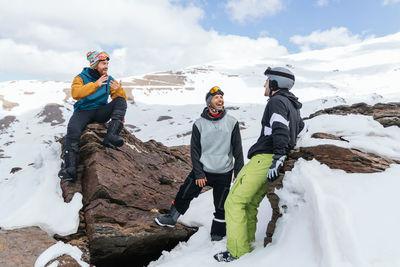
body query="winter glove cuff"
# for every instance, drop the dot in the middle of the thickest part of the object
(277, 164)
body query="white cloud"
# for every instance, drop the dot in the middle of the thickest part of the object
(322, 2)
(388, 2)
(245, 10)
(336, 36)
(50, 38)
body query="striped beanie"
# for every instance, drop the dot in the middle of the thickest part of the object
(94, 57)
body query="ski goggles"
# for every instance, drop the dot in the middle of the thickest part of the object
(103, 56)
(215, 89)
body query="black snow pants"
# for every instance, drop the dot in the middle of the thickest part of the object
(220, 182)
(114, 110)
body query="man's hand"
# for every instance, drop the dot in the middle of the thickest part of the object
(102, 80)
(234, 179)
(115, 85)
(201, 182)
(275, 167)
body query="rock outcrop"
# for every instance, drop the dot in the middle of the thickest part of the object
(6, 122)
(349, 160)
(123, 191)
(52, 114)
(21, 247)
(387, 114)
(64, 261)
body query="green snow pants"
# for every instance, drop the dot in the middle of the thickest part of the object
(242, 202)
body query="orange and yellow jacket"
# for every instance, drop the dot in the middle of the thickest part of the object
(90, 95)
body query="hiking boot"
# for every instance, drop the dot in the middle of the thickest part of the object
(69, 173)
(112, 139)
(169, 219)
(218, 229)
(225, 256)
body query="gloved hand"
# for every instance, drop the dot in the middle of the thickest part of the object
(275, 167)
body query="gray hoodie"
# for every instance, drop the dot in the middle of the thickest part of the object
(214, 144)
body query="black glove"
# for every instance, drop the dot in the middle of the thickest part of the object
(275, 167)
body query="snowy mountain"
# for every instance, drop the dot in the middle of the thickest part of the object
(333, 219)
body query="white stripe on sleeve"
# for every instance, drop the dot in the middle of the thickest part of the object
(278, 118)
(267, 130)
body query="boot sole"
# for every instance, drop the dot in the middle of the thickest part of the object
(68, 179)
(108, 144)
(161, 224)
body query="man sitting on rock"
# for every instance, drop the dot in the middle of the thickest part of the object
(215, 142)
(92, 88)
(281, 125)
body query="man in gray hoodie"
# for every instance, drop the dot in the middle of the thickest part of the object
(215, 142)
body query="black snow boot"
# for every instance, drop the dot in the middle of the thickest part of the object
(218, 229)
(225, 256)
(169, 219)
(112, 138)
(68, 173)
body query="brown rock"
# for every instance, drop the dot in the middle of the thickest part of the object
(8, 105)
(6, 122)
(387, 114)
(52, 114)
(161, 78)
(21, 247)
(327, 136)
(64, 261)
(349, 160)
(124, 189)
(163, 118)
(15, 169)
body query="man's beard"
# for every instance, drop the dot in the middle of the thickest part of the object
(103, 71)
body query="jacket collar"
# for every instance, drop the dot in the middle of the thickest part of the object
(206, 114)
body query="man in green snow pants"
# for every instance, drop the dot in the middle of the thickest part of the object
(281, 125)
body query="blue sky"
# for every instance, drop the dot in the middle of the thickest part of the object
(367, 17)
(48, 39)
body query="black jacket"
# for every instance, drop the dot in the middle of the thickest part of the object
(281, 124)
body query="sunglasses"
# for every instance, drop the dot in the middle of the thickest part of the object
(214, 89)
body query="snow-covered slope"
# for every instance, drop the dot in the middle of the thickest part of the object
(332, 219)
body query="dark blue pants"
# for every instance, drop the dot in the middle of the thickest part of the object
(220, 182)
(114, 110)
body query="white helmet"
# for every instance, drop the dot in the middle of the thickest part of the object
(279, 78)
